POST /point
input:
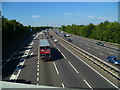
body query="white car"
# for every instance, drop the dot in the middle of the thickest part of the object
(55, 40)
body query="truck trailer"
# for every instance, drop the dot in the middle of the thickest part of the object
(45, 53)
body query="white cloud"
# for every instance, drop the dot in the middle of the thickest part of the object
(91, 17)
(100, 18)
(105, 18)
(36, 16)
(68, 13)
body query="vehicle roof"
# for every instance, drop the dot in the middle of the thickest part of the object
(44, 42)
(112, 56)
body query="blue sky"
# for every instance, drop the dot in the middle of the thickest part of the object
(60, 13)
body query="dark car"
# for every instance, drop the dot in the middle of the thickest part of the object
(69, 40)
(113, 60)
(51, 36)
(100, 43)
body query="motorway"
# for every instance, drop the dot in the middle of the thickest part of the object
(90, 46)
(66, 69)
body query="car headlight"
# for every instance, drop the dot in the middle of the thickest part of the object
(116, 62)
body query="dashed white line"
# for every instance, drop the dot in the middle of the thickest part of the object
(90, 67)
(63, 85)
(110, 52)
(56, 68)
(38, 62)
(88, 48)
(38, 69)
(96, 47)
(37, 66)
(37, 78)
(88, 84)
(37, 73)
(101, 54)
(73, 67)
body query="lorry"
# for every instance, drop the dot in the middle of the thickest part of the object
(45, 53)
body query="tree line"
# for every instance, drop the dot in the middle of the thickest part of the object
(13, 29)
(104, 31)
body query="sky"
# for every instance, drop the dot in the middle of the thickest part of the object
(60, 13)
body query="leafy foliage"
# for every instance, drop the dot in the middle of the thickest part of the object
(105, 31)
(12, 29)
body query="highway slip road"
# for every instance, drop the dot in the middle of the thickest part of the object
(66, 69)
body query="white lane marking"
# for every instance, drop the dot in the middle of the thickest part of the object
(13, 76)
(37, 66)
(37, 84)
(61, 53)
(56, 68)
(101, 54)
(37, 78)
(31, 54)
(88, 48)
(110, 52)
(37, 73)
(73, 67)
(96, 47)
(38, 69)
(63, 85)
(88, 84)
(11, 56)
(38, 62)
(59, 50)
(90, 67)
(114, 50)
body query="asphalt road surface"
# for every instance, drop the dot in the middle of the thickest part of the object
(66, 69)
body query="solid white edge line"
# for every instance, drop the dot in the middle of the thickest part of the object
(73, 67)
(56, 68)
(63, 85)
(88, 84)
(91, 67)
(59, 50)
(63, 55)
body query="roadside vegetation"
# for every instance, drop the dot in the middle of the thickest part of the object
(105, 31)
(11, 29)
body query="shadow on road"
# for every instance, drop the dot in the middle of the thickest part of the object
(55, 55)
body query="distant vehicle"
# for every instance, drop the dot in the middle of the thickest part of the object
(67, 35)
(51, 36)
(100, 43)
(113, 60)
(45, 53)
(69, 40)
(61, 31)
(55, 40)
